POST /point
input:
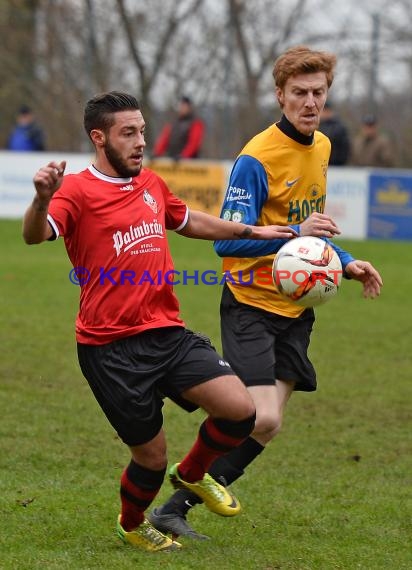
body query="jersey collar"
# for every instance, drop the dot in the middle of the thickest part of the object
(112, 179)
(290, 131)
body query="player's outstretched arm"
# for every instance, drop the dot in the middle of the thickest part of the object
(204, 226)
(47, 181)
(364, 272)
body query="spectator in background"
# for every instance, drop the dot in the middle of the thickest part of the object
(26, 135)
(371, 147)
(331, 126)
(183, 137)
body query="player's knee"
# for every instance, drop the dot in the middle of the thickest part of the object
(240, 409)
(249, 411)
(268, 425)
(150, 456)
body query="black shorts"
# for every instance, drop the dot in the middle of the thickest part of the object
(263, 346)
(129, 377)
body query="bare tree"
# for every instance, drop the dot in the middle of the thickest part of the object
(260, 35)
(57, 53)
(137, 29)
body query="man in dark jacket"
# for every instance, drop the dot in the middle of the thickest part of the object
(335, 130)
(183, 137)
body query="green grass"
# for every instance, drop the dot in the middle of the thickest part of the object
(333, 491)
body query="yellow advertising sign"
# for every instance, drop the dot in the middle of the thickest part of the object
(201, 185)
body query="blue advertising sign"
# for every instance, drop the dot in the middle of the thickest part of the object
(390, 206)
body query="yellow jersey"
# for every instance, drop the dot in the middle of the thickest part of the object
(278, 178)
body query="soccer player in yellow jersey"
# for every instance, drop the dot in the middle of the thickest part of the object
(278, 178)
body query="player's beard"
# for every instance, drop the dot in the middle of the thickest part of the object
(118, 163)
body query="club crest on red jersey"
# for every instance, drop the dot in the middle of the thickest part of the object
(150, 201)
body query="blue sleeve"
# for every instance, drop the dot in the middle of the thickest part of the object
(246, 194)
(344, 256)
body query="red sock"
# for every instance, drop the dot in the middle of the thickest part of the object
(211, 443)
(138, 487)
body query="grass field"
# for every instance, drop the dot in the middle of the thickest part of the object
(333, 491)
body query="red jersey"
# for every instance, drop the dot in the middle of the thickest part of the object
(114, 230)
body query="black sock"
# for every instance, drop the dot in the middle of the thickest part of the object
(180, 503)
(225, 470)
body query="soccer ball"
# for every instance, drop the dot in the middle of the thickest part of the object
(307, 270)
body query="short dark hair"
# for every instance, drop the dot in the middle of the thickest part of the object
(369, 120)
(98, 113)
(24, 110)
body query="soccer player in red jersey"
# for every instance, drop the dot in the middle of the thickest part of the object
(133, 348)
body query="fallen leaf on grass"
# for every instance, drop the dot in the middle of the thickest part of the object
(25, 502)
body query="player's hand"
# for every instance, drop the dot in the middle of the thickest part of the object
(364, 272)
(319, 225)
(273, 232)
(48, 179)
